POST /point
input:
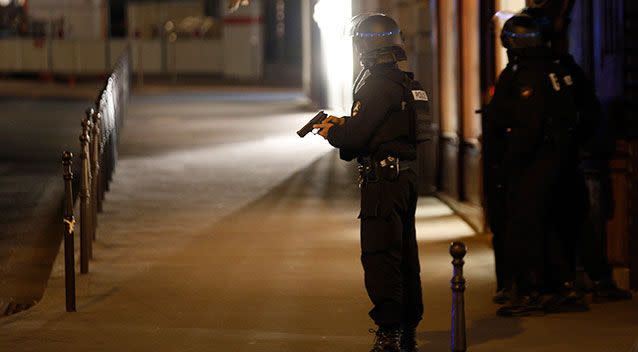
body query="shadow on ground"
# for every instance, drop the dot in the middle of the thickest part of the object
(480, 331)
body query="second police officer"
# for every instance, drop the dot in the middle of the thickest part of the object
(596, 145)
(389, 116)
(529, 140)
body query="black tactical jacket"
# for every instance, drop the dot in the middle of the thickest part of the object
(377, 126)
(533, 107)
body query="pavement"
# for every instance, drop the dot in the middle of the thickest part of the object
(40, 120)
(33, 135)
(225, 231)
(42, 89)
(89, 87)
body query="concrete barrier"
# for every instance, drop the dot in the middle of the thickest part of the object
(198, 56)
(243, 44)
(91, 57)
(63, 56)
(34, 55)
(116, 49)
(8, 52)
(238, 55)
(147, 56)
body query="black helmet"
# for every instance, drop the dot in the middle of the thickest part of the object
(522, 31)
(537, 3)
(552, 15)
(377, 38)
(552, 8)
(545, 23)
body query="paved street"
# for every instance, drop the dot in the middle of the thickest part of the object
(224, 231)
(33, 135)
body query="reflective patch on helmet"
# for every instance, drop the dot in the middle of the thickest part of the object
(420, 95)
(526, 92)
(555, 82)
(568, 80)
(521, 35)
(376, 34)
(356, 108)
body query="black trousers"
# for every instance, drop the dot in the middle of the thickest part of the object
(496, 209)
(594, 236)
(570, 206)
(531, 191)
(389, 251)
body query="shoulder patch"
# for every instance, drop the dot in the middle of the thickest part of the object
(555, 82)
(420, 95)
(356, 108)
(568, 80)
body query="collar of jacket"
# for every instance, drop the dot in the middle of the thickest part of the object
(525, 54)
(390, 70)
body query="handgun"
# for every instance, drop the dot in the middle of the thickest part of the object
(314, 121)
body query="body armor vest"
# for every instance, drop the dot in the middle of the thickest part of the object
(408, 124)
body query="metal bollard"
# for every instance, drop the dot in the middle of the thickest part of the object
(458, 338)
(85, 197)
(69, 229)
(95, 167)
(102, 167)
(112, 154)
(103, 172)
(108, 162)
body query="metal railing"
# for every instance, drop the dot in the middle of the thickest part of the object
(99, 141)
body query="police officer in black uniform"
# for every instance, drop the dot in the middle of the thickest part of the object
(390, 115)
(494, 185)
(532, 116)
(596, 146)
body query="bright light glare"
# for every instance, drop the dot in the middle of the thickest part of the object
(5, 2)
(501, 54)
(332, 17)
(505, 10)
(504, 15)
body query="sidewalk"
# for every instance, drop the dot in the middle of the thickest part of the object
(34, 133)
(214, 239)
(89, 88)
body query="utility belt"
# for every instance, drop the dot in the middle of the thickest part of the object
(373, 170)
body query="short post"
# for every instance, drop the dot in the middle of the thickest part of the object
(69, 229)
(108, 162)
(102, 167)
(85, 197)
(104, 172)
(95, 167)
(458, 338)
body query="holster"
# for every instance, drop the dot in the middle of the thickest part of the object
(372, 170)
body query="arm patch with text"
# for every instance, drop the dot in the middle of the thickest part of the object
(420, 95)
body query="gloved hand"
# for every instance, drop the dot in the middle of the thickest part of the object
(323, 127)
(335, 120)
(327, 124)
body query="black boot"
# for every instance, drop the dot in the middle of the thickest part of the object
(386, 340)
(607, 291)
(502, 296)
(568, 299)
(523, 306)
(408, 339)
